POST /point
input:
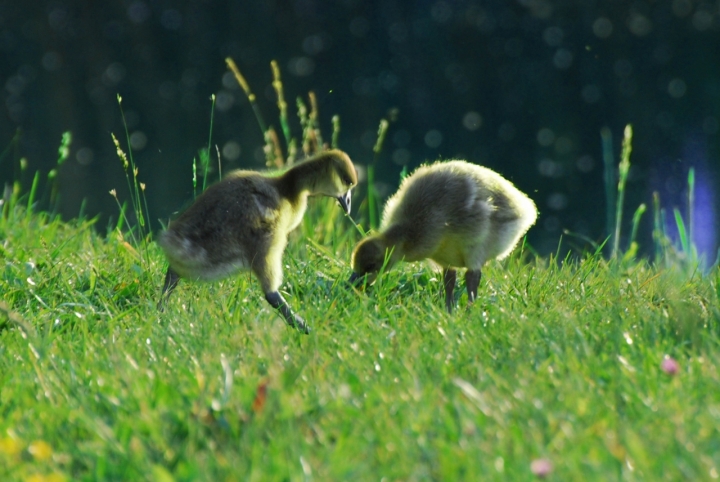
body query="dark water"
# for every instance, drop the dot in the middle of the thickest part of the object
(523, 87)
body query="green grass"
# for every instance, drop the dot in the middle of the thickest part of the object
(556, 360)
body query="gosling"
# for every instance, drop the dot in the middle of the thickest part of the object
(242, 223)
(455, 213)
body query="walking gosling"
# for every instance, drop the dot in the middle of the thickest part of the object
(243, 221)
(455, 213)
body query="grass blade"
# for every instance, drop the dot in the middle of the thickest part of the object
(636, 222)
(624, 168)
(608, 178)
(682, 233)
(31, 197)
(209, 146)
(691, 209)
(246, 88)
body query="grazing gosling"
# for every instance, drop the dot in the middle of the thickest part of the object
(243, 221)
(455, 213)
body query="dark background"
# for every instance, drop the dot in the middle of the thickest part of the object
(523, 87)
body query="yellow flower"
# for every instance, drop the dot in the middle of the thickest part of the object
(54, 477)
(10, 446)
(40, 450)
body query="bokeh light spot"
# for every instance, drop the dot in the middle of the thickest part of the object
(591, 93)
(138, 140)
(553, 36)
(702, 19)
(433, 138)
(545, 137)
(585, 163)
(224, 100)
(313, 44)
(639, 24)
(472, 121)
(231, 150)
(84, 156)
(602, 27)
(557, 201)
(682, 8)
(677, 88)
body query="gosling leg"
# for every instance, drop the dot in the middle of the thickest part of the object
(472, 280)
(449, 278)
(278, 302)
(171, 281)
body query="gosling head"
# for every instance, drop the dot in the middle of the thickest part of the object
(368, 258)
(337, 178)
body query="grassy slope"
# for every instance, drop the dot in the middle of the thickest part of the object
(552, 362)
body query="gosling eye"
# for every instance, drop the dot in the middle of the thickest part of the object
(346, 180)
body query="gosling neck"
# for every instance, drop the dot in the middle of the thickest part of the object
(298, 182)
(394, 235)
(393, 239)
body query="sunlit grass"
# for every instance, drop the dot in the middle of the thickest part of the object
(580, 368)
(556, 361)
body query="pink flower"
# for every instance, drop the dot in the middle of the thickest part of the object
(541, 467)
(669, 365)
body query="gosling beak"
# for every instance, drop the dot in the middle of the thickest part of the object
(353, 281)
(345, 200)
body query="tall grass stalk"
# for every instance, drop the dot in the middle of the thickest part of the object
(609, 179)
(31, 197)
(138, 200)
(636, 223)
(685, 244)
(219, 159)
(372, 195)
(250, 96)
(126, 169)
(302, 113)
(122, 217)
(206, 159)
(633, 247)
(53, 175)
(135, 187)
(273, 150)
(335, 131)
(314, 118)
(312, 139)
(691, 212)
(624, 169)
(282, 105)
(665, 249)
(658, 233)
